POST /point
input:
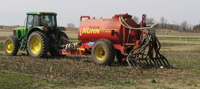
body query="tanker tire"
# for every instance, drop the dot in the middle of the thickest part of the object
(107, 52)
(53, 51)
(119, 57)
(44, 41)
(15, 46)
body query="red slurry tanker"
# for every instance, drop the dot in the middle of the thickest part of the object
(118, 36)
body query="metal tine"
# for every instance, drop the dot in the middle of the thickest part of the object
(134, 63)
(129, 63)
(163, 62)
(158, 61)
(150, 62)
(168, 64)
(140, 64)
(166, 61)
(155, 63)
(144, 61)
(144, 64)
(147, 63)
(137, 59)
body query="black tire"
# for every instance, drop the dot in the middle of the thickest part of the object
(103, 52)
(32, 44)
(119, 57)
(54, 51)
(11, 46)
(62, 41)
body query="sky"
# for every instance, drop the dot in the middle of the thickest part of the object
(13, 12)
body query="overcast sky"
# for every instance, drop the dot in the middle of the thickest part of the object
(13, 12)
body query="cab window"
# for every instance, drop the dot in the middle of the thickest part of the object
(48, 20)
(29, 21)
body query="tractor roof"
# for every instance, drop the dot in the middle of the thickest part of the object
(39, 13)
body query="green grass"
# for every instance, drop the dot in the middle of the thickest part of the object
(153, 81)
(118, 82)
(179, 38)
(18, 81)
(73, 39)
(187, 62)
(1, 46)
(10, 80)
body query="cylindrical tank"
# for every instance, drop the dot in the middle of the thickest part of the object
(91, 30)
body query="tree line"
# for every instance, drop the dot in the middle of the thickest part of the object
(162, 24)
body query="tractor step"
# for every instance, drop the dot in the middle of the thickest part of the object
(23, 44)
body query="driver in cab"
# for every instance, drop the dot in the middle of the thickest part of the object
(44, 21)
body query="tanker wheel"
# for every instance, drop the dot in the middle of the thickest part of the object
(53, 51)
(11, 46)
(38, 44)
(103, 52)
(119, 57)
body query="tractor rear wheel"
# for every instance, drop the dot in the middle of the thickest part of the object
(11, 46)
(103, 52)
(63, 36)
(38, 44)
(54, 51)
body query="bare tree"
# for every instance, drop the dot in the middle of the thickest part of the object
(70, 25)
(196, 27)
(136, 19)
(150, 21)
(184, 25)
(163, 22)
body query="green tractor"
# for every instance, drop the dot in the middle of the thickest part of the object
(39, 36)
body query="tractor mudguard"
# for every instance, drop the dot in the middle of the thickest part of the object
(61, 28)
(37, 28)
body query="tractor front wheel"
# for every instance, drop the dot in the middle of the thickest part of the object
(103, 52)
(38, 44)
(11, 46)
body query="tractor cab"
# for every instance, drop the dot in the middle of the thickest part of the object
(46, 19)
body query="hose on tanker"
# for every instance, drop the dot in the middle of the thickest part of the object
(123, 22)
(156, 46)
(158, 59)
(140, 48)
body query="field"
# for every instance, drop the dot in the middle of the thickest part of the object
(182, 49)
